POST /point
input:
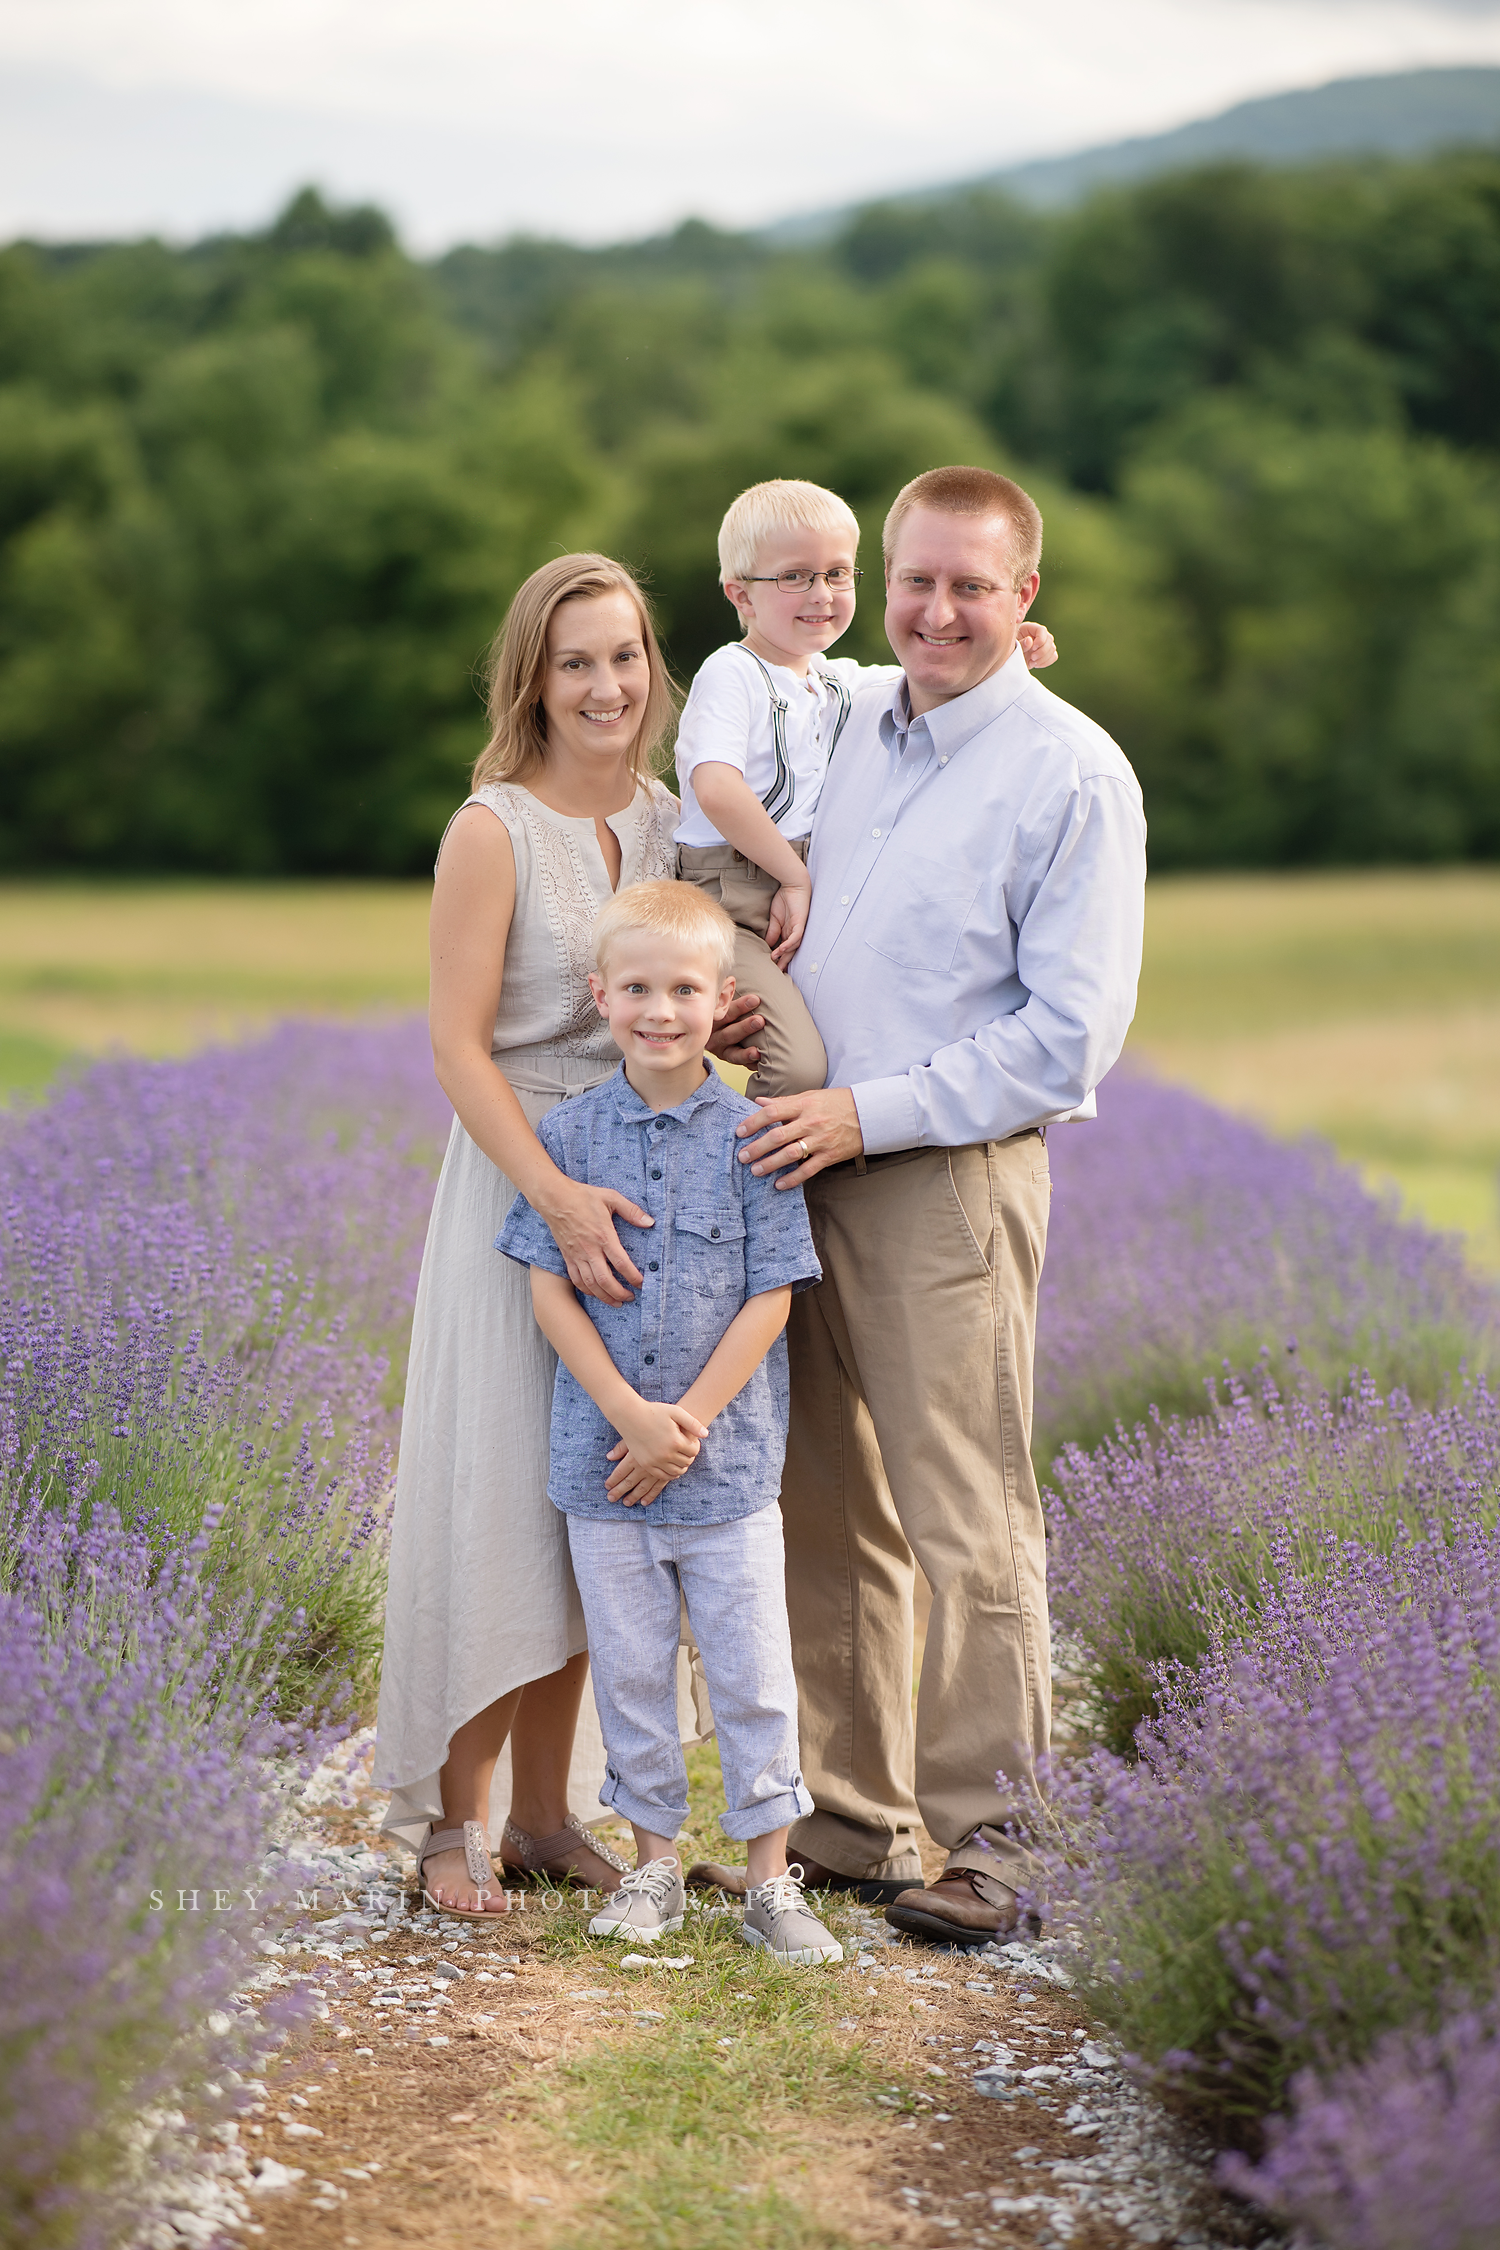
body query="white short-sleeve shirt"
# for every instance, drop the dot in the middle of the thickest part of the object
(777, 730)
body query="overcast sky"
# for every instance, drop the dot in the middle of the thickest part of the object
(469, 119)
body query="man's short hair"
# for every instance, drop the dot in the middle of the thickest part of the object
(781, 504)
(973, 492)
(681, 911)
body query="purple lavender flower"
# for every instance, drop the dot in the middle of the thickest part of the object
(1183, 1238)
(1162, 1539)
(136, 1811)
(1307, 1855)
(206, 1277)
(1401, 2152)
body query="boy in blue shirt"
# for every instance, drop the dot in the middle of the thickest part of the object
(669, 1419)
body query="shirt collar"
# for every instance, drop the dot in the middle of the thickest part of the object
(951, 725)
(634, 1111)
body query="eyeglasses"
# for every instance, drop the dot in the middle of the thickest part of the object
(802, 581)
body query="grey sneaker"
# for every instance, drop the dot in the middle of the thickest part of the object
(647, 1905)
(776, 1918)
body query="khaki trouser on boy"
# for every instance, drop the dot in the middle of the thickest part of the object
(792, 1059)
(911, 1438)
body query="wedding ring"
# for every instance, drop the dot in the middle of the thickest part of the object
(804, 1148)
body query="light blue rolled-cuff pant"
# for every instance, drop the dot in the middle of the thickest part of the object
(633, 1577)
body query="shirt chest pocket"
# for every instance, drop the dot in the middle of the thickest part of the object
(919, 912)
(711, 1252)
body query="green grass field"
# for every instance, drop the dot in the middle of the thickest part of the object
(1364, 1007)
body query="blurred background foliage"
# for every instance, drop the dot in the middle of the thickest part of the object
(263, 499)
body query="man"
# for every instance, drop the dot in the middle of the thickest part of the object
(970, 960)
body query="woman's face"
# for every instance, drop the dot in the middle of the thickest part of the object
(597, 678)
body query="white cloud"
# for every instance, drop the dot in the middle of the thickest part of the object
(605, 117)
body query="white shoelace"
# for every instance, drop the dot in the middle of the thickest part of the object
(654, 1881)
(783, 1893)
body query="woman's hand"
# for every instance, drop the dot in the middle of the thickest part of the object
(1037, 645)
(658, 1444)
(582, 1220)
(787, 920)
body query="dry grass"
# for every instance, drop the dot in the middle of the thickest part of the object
(1362, 1007)
(160, 968)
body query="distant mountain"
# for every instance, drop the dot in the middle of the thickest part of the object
(1407, 114)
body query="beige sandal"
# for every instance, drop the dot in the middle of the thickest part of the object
(556, 1856)
(470, 1840)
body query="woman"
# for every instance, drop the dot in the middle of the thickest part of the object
(484, 1634)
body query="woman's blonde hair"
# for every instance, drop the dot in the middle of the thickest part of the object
(517, 664)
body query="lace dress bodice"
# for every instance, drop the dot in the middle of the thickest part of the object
(546, 1009)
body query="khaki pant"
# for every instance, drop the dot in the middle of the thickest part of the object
(792, 1060)
(911, 1436)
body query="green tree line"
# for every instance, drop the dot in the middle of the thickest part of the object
(263, 499)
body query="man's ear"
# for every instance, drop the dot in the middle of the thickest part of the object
(726, 994)
(1026, 593)
(596, 986)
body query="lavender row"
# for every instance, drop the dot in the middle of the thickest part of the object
(1184, 1239)
(1174, 1536)
(1289, 1900)
(208, 1270)
(140, 1765)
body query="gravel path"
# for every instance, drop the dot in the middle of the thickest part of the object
(1032, 2135)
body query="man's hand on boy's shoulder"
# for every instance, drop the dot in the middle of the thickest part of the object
(799, 1135)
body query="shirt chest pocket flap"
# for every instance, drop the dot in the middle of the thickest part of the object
(711, 1251)
(918, 914)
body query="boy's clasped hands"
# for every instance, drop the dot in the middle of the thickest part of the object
(659, 1443)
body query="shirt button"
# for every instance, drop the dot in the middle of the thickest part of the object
(813, 966)
(654, 1266)
(942, 761)
(843, 902)
(650, 1359)
(656, 1175)
(874, 831)
(713, 1234)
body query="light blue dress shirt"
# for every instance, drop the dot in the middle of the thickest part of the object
(721, 1236)
(974, 945)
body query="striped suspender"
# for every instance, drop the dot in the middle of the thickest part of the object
(844, 700)
(778, 798)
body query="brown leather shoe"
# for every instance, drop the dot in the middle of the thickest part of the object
(965, 1907)
(715, 1875)
(872, 1890)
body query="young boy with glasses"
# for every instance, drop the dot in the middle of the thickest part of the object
(762, 719)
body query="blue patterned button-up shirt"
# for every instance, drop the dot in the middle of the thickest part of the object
(721, 1236)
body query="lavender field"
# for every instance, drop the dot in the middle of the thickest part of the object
(1280, 1867)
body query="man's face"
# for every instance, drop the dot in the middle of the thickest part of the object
(952, 608)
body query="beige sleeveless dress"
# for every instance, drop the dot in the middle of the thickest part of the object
(481, 1595)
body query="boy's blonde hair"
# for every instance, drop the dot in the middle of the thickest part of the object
(517, 666)
(671, 910)
(782, 504)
